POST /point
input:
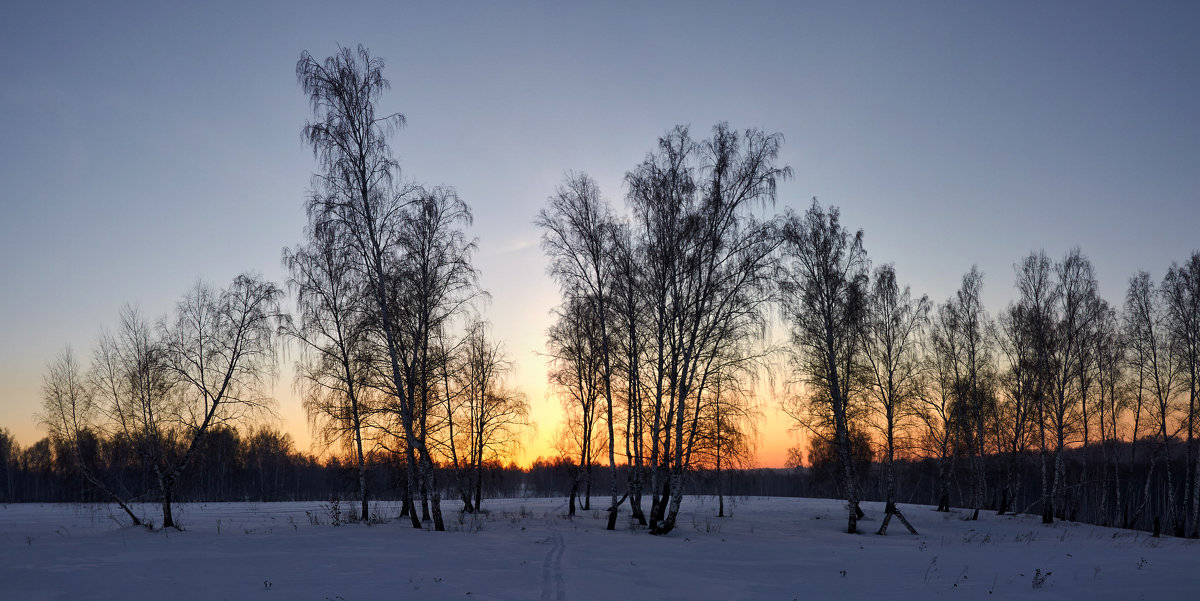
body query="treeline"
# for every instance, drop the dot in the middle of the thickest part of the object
(262, 465)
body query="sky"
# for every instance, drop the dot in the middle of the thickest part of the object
(146, 146)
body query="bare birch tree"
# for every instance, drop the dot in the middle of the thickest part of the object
(496, 414)
(935, 408)
(1074, 308)
(1019, 386)
(220, 346)
(407, 241)
(891, 333)
(707, 270)
(1158, 378)
(630, 309)
(71, 413)
(331, 328)
(964, 340)
(576, 369)
(1181, 287)
(578, 234)
(823, 287)
(1112, 382)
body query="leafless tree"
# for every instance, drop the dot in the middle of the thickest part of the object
(406, 240)
(824, 289)
(1181, 287)
(495, 413)
(450, 388)
(1019, 387)
(891, 335)
(1112, 383)
(1157, 375)
(1074, 312)
(576, 371)
(630, 310)
(578, 234)
(220, 346)
(1032, 338)
(435, 282)
(728, 419)
(935, 408)
(706, 270)
(355, 196)
(964, 340)
(71, 413)
(130, 372)
(331, 328)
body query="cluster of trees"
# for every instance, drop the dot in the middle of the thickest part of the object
(159, 389)
(392, 357)
(658, 347)
(660, 337)
(655, 339)
(1058, 372)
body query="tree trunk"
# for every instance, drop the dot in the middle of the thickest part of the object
(635, 495)
(848, 477)
(1195, 533)
(1047, 497)
(943, 486)
(587, 488)
(478, 487)
(891, 509)
(658, 505)
(168, 519)
(362, 482)
(673, 501)
(574, 490)
(411, 486)
(436, 501)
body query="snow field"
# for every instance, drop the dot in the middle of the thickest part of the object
(770, 548)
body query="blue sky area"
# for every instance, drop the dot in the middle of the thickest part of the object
(145, 146)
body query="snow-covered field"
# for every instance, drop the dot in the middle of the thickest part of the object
(770, 548)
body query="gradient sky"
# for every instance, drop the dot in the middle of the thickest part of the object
(145, 146)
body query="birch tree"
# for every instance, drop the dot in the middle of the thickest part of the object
(578, 235)
(575, 373)
(220, 346)
(406, 240)
(708, 266)
(495, 413)
(333, 369)
(935, 408)
(71, 413)
(964, 340)
(1074, 313)
(1019, 387)
(1158, 379)
(1181, 289)
(891, 333)
(823, 287)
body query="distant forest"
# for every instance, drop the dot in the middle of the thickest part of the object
(1061, 404)
(263, 466)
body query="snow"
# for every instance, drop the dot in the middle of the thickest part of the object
(771, 548)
